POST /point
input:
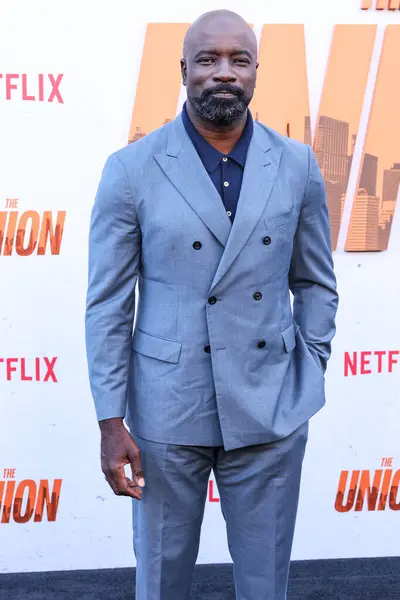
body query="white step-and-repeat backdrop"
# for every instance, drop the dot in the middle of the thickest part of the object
(78, 80)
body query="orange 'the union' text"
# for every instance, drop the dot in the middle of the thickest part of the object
(26, 233)
(376, 490)
(27, 500)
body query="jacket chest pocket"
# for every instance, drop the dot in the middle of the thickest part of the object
(287, 218)
(279, 232)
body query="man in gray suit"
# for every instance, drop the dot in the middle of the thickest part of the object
(218, 218)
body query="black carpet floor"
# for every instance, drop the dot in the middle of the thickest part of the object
(355, 579)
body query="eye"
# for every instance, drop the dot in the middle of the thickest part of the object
(205, 61)
(242, 61)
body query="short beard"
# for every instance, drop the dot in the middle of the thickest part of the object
(221, 111)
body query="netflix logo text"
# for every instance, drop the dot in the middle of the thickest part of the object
(28, 500)
(30, 232)
(212, 492)
(369, 362)
(369, 490)
(28, 369)
(31, 88)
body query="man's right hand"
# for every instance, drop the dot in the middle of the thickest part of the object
(118, 449)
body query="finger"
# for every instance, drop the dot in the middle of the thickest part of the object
(132, 484)
(119, 484)
(129, 491)
(139, 478)
(133, 492)
(137, 469)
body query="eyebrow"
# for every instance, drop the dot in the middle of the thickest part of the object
(216, 53)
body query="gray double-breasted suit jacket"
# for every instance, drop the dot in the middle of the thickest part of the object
(218, 355)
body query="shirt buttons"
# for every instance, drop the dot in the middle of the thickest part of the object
(207, 349)
(224, 159)
(228, 212)
(212, 300)
(197, 245)
(257, 295)
(226, 183)
(267, 240)
(261, 344)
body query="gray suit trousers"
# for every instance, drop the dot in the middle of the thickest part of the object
(259, 490)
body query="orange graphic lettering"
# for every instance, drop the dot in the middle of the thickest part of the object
(159, 83)
(379, 176)
(385, 489)
(36, 496)
(287, 110)
(2, 486)
(22, 227)
(51, 501)
(360, 489)
(288, 105)
(339, 113)
(3, 219)
(7, 501)
(364, 488)
(47, 232)
(339, 502)
(30, 486)
(39, 230)
(9, 240)
(381, 4)
(394, 505)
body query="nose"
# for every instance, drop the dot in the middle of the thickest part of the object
(224, 72)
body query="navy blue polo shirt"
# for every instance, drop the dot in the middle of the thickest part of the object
(225, 170)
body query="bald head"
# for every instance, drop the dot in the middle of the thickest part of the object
(218, 20)
(219, 68)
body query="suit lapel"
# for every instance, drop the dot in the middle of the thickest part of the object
(260, 172)
(183, 167)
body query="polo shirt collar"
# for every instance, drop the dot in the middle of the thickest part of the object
(210, 156)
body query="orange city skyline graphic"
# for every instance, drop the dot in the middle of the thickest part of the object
(30, 232)
(287, 110)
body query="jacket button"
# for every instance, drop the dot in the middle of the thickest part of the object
(257, 295)
(207, 349)
(267, 240)
(197, 245)
(261, 344)
(212, 300)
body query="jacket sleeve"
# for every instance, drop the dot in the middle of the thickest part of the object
(311, 277)
(114, 258)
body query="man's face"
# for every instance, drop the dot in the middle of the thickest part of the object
(219, 71)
